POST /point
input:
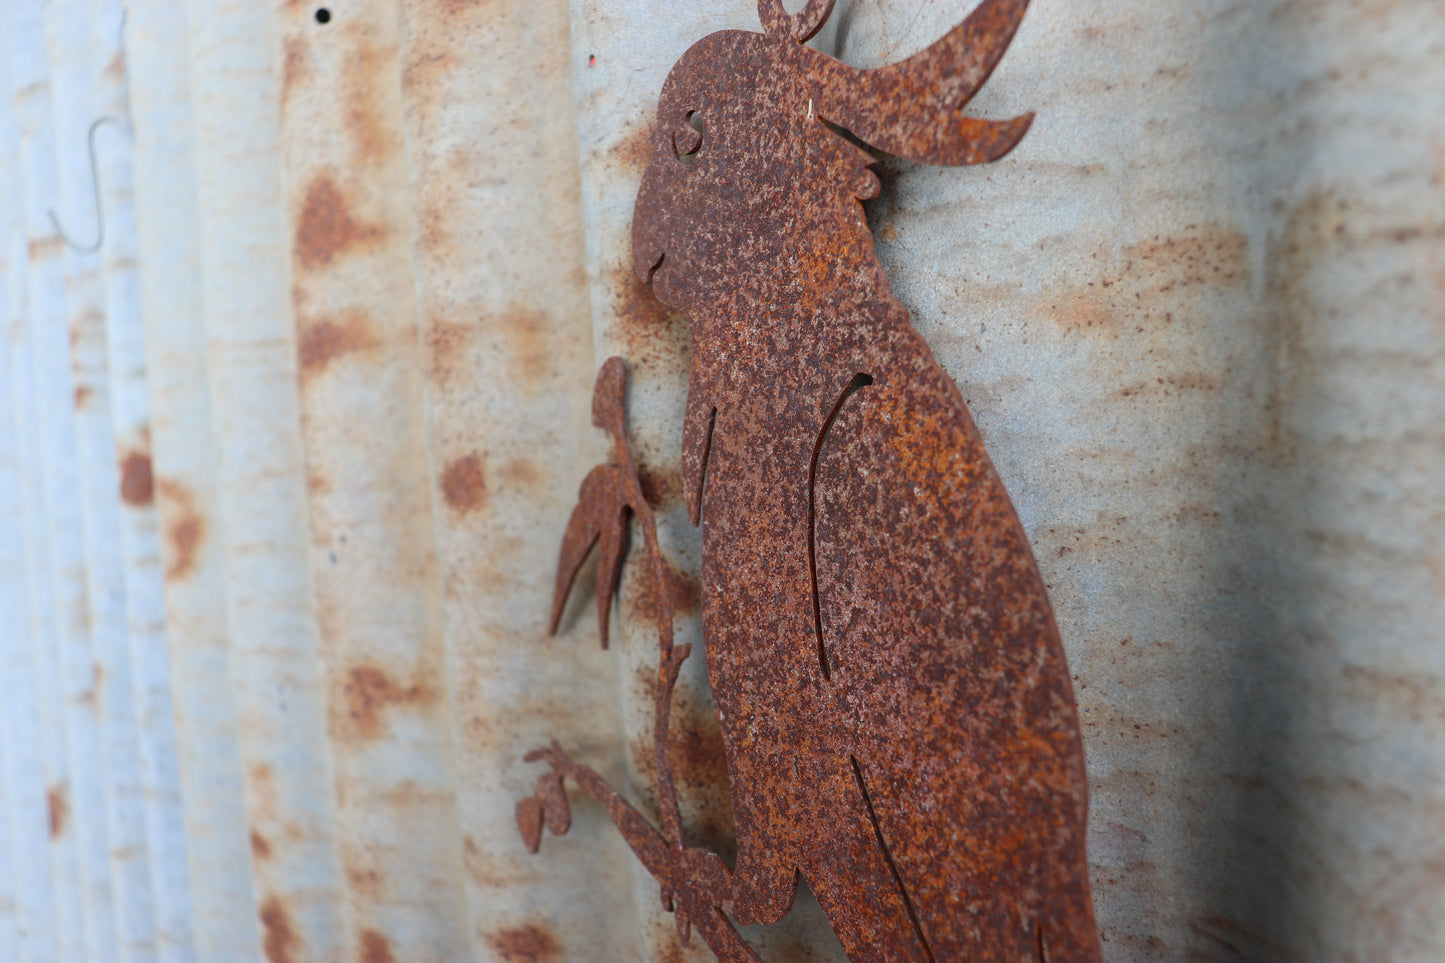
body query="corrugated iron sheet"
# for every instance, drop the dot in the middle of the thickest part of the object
(284, 463)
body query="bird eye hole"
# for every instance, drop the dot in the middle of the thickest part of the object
(687, 139)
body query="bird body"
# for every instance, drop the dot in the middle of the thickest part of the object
(892, 692)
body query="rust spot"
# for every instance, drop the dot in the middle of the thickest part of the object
(280, 939)
(532, 943)
(521, 473)
(57, 804)
(369, 137)
(634, 149)
(368, 693)
(364, 881)
(682, 592)
(660, 486)
(44, 247)
(326, 228)
(82, 395)
(260, 848)
(448, 342)
(651, 334)
(136, 484)
(375, 948)
(115, 70)
(323, 341)
(317, 483)
(464, 486)
(185, 528)
(525, 331)
(295, 67)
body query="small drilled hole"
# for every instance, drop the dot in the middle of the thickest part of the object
(323, 15)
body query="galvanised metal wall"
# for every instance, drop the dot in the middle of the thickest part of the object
(285, 460)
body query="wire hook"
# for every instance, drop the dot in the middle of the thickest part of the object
(95, 185)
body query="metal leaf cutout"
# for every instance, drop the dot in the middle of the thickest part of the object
(894, 701)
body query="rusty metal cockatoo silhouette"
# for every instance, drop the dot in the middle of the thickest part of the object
(893, 697)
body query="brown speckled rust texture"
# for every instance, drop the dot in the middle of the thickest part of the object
(894, 702)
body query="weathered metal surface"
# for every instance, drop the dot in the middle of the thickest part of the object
(361, 384)
(1239, 197)
(903, 735)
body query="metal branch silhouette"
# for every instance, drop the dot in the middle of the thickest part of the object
(894, 700)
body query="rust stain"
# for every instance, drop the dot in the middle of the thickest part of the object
(521, 473)
(369, 692)
(866, 571)
(295, 67)
(525, 331)
(278, 935)
(365, 67)
(683, 594)
(115, 70)
(364, 880)
(57, 805)
(649, 332)
(185, 528)
(137, 487)
(448, 343)
(326, 339)
(41, 248)
(326, 227)
(260, 848)
(633, 150)
(660, 486)
(375, 948)
(82, 395)
(530, 943)
(464, 485)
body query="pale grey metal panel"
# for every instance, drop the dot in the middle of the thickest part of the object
(218, 848)
(156, 775)
(104, 688)
(26, 742)
(261, 492)
(19, 766)
(361, 382)
(70, 726)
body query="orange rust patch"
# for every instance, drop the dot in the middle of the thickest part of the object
(115, 70)
(323, 341)
(280, 939)
(369, 692)
(525, 330)
(375, 948)
(660, 487)
(364, 881)
(82, 395)
(260, 848)
(57, 805)
(44, 247)
(295, 67)
(650, 333)
(369, 137)
(532, 943)
(448, 342)
(326, 228)
(634, 150)
(184, 528)
(464, 486)
(682, 592)
(521, 473)
(137, 487)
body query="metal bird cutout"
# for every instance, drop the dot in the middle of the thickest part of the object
(894, 700)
